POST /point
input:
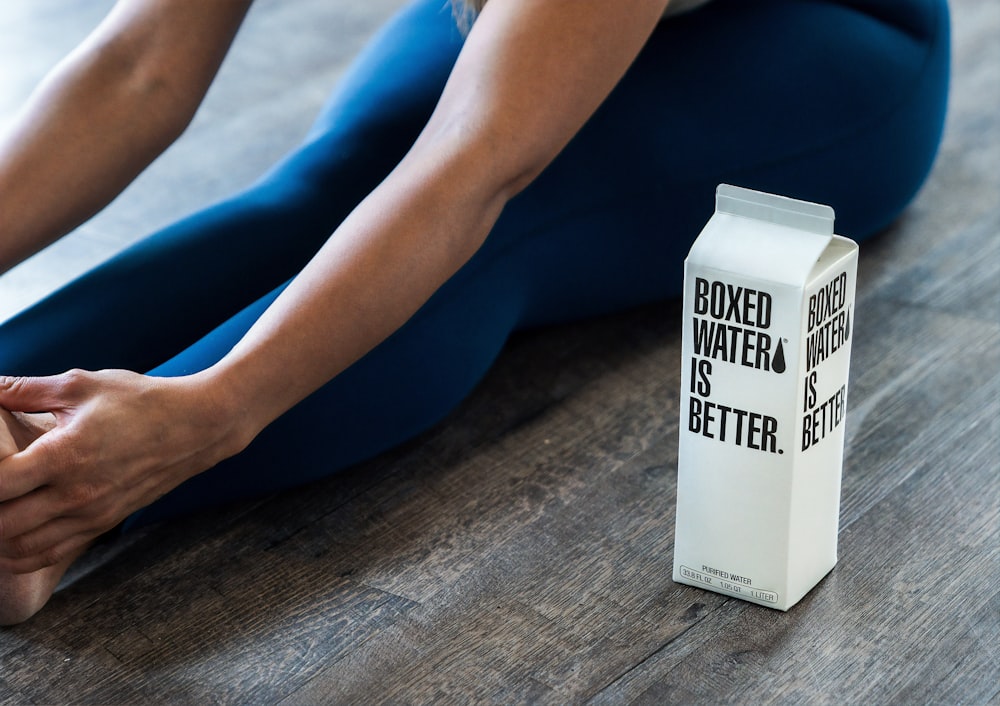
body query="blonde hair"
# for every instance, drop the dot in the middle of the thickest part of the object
(465, 12)
(469, 5)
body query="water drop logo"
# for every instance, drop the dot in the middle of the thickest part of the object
(778, 359)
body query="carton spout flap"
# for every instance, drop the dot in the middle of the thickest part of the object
(771, 237)
(780, 210)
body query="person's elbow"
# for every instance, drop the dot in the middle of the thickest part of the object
(137, 81)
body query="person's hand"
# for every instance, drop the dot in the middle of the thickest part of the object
(114, 442)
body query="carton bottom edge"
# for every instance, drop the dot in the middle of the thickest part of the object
(783, 604)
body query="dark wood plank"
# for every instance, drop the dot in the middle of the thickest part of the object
(928, 367)
(972, 650)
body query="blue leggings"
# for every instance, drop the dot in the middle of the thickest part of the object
(840, 102)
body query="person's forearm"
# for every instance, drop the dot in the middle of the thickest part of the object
(84, 135)
(104, 113)
(378, 268)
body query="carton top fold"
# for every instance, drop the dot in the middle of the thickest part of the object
(771, 237)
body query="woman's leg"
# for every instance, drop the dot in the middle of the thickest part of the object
(838, 103)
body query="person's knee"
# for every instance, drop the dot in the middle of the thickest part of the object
(924, 20)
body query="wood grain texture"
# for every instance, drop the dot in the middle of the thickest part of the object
(520, 552)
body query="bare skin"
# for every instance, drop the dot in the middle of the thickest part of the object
(23, 595)
(114, 440)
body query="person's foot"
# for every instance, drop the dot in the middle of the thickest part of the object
(23, 595)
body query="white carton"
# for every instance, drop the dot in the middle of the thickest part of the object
(768, 308)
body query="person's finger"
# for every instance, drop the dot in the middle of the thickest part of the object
(19, 430)
(69, 539)
(42, 394)
(23, 472)
(8, 443)
(26, 514)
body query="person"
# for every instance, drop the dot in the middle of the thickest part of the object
(550, 161)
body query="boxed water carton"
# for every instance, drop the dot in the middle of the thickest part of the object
(768, 309)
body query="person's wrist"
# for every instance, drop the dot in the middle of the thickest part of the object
(232, 420)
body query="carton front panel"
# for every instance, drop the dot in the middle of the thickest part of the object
(737, 428)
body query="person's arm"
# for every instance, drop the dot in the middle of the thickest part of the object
(530, 75)
(104, 113)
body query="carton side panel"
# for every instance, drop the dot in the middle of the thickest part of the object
(827, 328)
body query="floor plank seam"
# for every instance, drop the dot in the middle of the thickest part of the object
(901, 476)
(638, 665)
(879, 295)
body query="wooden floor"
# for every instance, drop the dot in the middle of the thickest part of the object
(521, 551)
